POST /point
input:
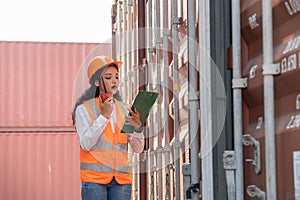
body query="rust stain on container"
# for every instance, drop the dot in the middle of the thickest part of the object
(286, 52)
(36, 82)
(39, 166)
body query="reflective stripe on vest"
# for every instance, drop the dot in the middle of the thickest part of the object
(122, 147)
(104, 145)
(123, 169)
(94, 111)
(109, 156)
(95, 167)
(104, 168)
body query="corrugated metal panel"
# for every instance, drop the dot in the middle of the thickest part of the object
(37, 166)
(286, 37)
(36, 82)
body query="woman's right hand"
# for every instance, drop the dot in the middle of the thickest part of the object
(107, 106)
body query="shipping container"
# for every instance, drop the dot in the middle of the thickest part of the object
(40, 165)
(225, 125)
(38, 81)
(248, 54)
(39, 148)
(286, 51)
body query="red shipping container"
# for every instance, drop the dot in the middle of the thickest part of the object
(286, 52)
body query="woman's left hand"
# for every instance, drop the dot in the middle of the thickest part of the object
(133, 119)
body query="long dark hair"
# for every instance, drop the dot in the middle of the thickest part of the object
(93, 91)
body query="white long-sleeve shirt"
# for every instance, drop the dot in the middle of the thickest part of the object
(89, 132)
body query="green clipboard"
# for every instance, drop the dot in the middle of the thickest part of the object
(143, 103)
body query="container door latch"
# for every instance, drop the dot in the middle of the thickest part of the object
(254, 191)
(248, 140)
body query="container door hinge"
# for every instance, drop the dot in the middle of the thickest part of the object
(248, 140)
(239, 83)
(230, 165)
(271, 69)
(254, 191)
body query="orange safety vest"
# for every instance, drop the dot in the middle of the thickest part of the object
(109, 156)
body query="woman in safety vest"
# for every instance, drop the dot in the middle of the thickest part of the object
(99, 116)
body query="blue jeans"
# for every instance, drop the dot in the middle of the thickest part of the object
(110, 191)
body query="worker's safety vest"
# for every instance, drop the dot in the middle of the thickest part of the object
(109, 156)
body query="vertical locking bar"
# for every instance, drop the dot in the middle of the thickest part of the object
(186, 172)
(230, 165)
